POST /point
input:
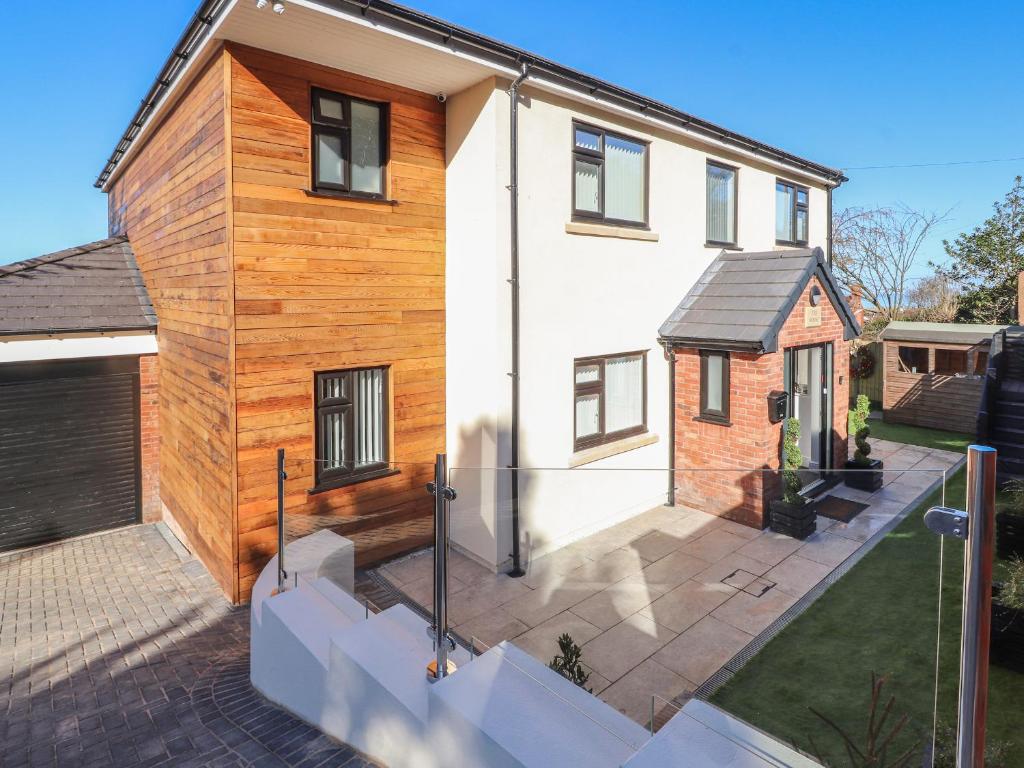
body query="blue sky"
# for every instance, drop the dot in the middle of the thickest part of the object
(852, 84)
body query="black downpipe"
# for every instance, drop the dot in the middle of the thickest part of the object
(513, 188)
(670, 353)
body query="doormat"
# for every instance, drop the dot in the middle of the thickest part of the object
(836, 508)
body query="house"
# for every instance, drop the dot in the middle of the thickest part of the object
(79, 431)
(933, 373)
(371, 236)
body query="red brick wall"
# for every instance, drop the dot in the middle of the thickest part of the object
(750, 444)
(149, 418)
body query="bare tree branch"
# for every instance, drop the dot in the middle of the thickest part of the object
(876, 249)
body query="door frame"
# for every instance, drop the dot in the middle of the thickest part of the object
(826, 404)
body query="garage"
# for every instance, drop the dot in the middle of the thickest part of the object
(69, 449)
(77, 395)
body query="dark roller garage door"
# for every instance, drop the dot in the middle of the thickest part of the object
(69, 449)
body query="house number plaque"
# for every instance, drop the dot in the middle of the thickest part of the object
(812, 316)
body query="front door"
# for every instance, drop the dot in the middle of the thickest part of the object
(809, 373)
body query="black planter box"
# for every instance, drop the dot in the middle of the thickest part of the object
(791, 520)
(1009, 535)
(864, 478)
(1007, 639)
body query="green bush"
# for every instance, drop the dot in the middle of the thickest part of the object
(792, 459)
(569, 663)
(1011, 594)
(858, 424)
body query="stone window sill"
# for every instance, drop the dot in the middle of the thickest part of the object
(608, 450)
(609, 230)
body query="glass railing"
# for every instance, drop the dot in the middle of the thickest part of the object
(829, 625)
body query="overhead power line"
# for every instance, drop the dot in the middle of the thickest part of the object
(932, 165)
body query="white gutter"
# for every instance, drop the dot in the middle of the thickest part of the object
(19, 350)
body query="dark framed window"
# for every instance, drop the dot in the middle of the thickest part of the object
(791, 203)
(349, 144)
(980, 363)
(351, 425)
(721, 204)
(714, 386)
(913, 359)
(609, 177)
(950, 362)
(610, 398)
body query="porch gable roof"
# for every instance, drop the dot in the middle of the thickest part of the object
(742, 300)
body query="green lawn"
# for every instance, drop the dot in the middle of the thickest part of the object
(881, 617)
(930, 438)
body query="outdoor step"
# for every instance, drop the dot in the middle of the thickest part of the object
(1011, 392)
(1004, 420)
(1008, 450)
(1009, 466)
(1009, 407)
(1007, 433)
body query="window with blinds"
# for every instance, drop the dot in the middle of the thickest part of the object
(610, 398)
(609, 177)
(721, 204)
(351, 425)
(791, 204)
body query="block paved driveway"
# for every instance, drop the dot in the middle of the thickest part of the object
(119, 649)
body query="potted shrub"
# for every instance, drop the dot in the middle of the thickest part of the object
(1007, 637)
(867, 472)
(1010, 524)
(793, 514)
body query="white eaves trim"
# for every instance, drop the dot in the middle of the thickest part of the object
(73, 347)
(581, 96)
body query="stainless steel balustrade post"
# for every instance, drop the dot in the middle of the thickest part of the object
(443, 643)
(282, 574)
(977, 616)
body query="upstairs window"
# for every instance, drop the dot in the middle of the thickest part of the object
(351, 425)
(913, 359)
(610, 398)
(950, 362)
(349, 144)
(721, 204)
(714, 386)
(609, 177)
(790, 214)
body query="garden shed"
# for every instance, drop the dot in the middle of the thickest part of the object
(933, 373)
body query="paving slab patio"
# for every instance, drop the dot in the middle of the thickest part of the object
(661, 601)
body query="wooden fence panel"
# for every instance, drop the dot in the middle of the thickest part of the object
(872, 385)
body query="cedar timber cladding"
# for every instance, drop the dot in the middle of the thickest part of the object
(324, 283)
(171, 202)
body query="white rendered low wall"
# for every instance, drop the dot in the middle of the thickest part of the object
(361, 678)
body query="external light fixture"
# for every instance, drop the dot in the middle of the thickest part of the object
(278, 7)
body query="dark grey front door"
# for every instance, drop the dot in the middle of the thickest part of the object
(809, 383)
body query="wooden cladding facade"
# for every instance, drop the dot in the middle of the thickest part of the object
(304, 283)
(930, 399)
(171, 201)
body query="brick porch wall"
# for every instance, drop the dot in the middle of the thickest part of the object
(149, 419)
(750, 444)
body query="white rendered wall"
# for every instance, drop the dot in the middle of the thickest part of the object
(581, 295)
